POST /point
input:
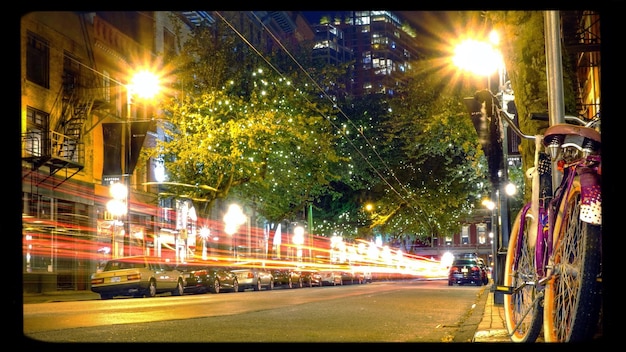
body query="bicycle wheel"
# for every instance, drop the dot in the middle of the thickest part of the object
(522, 312)
(572, 295)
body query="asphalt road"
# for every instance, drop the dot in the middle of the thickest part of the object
(406, 311)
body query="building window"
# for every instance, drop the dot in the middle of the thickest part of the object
(169, 43)
(481, 229)
(36, 140)
(37, 231)
(36, 118)
(106, 84)
(71, 74)
(465, 235)
(38, 61)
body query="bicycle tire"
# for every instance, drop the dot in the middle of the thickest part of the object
(523, 314)
(572, 294)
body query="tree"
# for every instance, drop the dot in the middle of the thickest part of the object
(239, 129)
(415, 158)
(440, 163)
(524, 54)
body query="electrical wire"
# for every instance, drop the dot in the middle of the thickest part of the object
(412, 202)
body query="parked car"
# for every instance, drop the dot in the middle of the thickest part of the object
(467, 271)
(330, 277)
(348, 277)
(362, 275)
(485, 267)
(253, 275)
(137, 276)
(202, 277)
(289, 277)
(311, 277)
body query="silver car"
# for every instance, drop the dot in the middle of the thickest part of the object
(253, 275)
(137, 276)
(331, 277)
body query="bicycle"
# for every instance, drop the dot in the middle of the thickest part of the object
(553, 273)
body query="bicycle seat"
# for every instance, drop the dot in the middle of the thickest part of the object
(570, 130)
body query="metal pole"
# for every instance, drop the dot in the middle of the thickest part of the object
(502, 199)
(127, 149)
(249, 238)
(310, 232)
(554, 72)
(495, 228)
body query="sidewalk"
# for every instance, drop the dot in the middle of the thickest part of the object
(492, 327)
(59, 296)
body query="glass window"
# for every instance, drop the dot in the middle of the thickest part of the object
(465, 235)
(38, 61)
(35, 141)
(481, 229)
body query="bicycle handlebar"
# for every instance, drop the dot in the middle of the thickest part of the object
(481, 95)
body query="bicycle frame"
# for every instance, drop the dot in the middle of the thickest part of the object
(558, 242)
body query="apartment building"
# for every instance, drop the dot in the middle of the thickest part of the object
(381, 43)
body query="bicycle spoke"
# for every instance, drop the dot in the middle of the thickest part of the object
(523, 312)
(571, 304)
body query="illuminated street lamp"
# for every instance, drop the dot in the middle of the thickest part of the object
(233, 218)
(298, 240)
(205, 232)
(144, 85)
(337, 249)
(510, 189)
(117, 207)
(483, 58)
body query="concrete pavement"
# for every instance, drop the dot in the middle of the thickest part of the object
(490, 329)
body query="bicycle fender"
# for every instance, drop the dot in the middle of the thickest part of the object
(591, 197)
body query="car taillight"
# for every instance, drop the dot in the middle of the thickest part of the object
(454, 268)
(97, 281)
(200, 273)
(132, 277)
(475, 268)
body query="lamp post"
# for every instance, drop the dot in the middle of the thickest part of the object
(144, 85)
(483, 58)
(491, 205)
(233, 218)
(205, 232)
(298, 240)
(117, 207)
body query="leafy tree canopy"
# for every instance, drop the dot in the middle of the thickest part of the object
(241, 130)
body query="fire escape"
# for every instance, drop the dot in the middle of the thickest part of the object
(581, 42)
(59, 147)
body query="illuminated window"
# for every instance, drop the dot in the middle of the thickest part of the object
(481, 229)
(465, 235)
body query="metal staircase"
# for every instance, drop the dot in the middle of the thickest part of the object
(61, 148)
(581, 41)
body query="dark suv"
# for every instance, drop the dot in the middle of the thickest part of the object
(467, 271)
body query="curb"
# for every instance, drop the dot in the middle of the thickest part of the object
(492, 327)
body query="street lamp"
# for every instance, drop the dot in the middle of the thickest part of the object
(483, 58)
(298, 240)
(144, 85)
(233, 218)
(491, 205)
(205, 232)
(117, 207)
